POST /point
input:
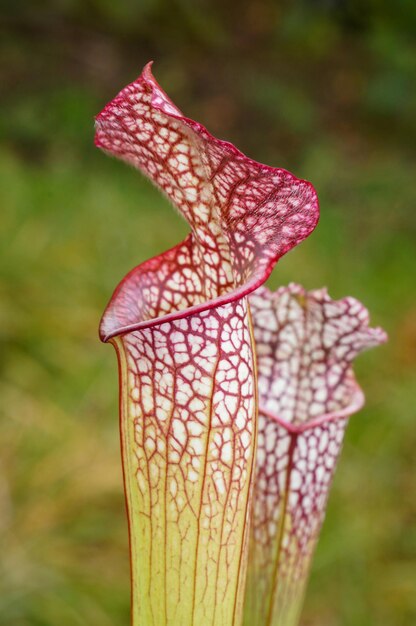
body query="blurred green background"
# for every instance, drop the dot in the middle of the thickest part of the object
(324, 88)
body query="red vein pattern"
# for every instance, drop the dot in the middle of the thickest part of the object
(305, 345)
(181, 328)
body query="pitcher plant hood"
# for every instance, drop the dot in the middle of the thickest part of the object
(243, 215)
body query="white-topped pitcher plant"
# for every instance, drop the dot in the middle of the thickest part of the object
(233, 399)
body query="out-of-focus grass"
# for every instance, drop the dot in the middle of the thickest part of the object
(72, 226)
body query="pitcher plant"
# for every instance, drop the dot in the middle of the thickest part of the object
(233, 399)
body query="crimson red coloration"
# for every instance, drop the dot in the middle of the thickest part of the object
(243, 215)
(181, 328)
(305, 346)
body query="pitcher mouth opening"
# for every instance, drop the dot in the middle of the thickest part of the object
(354, 405)
(113, 325)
